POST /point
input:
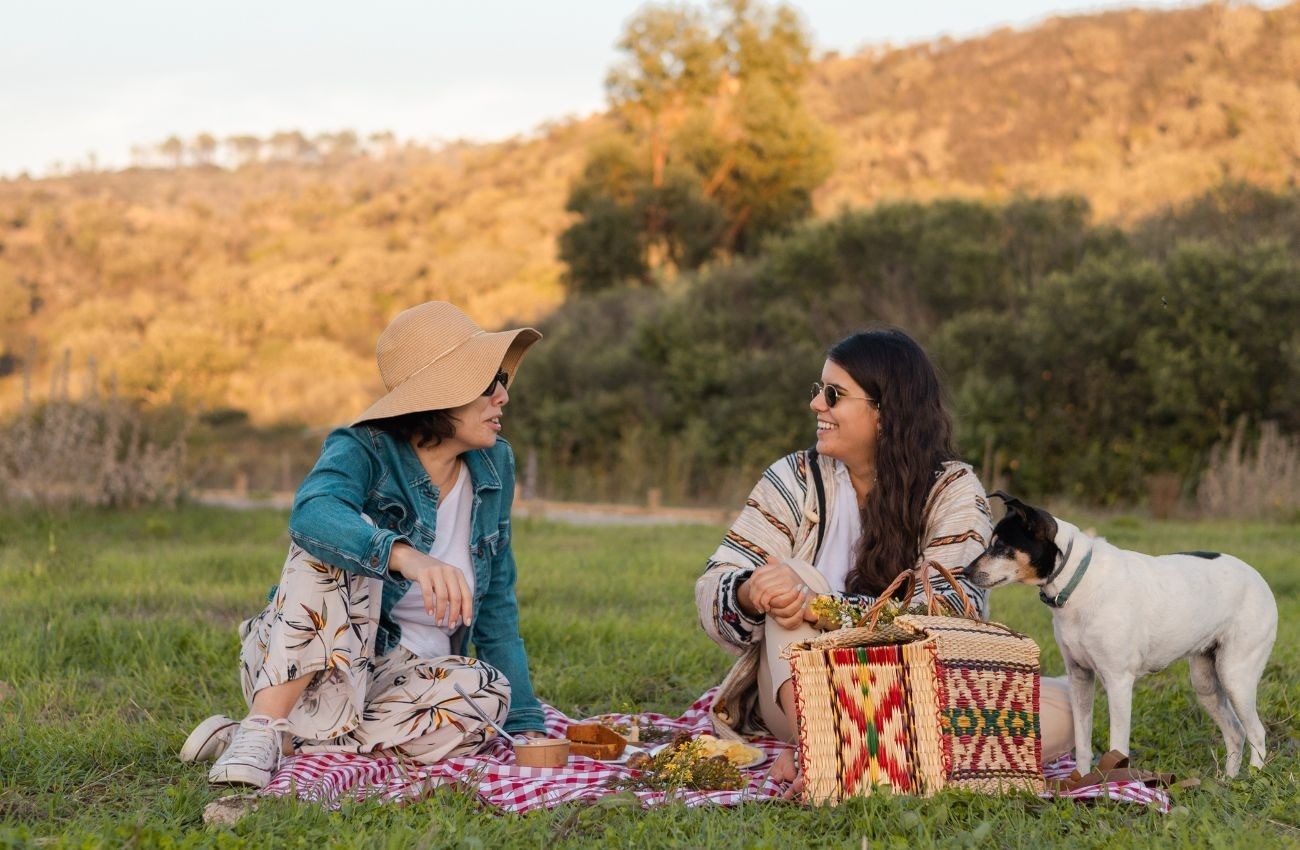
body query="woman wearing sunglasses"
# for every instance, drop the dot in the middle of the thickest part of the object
(893, 495)
(400, 558)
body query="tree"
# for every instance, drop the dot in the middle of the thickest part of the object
(606, 243)
(630, 224)
(174, 150)
(246, 149)
(384, 141)
(340, 146)
(672, 66)
(205, 147)
(723, 152)
(291, 146)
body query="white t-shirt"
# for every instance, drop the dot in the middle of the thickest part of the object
(839, 547)
(420, 633)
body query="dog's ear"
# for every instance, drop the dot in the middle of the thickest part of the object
(1014, 505)
(1039, 522)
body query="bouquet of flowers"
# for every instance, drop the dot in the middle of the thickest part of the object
(684, 763)
(837, 612)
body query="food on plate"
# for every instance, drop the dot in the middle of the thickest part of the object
(629, 726)
(737, 752)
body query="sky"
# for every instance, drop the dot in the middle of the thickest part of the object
(88, 78)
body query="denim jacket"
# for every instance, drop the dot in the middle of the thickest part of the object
(363, 470)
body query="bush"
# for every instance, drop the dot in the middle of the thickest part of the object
(98, 451)
(1081, 361)
(1242, 483)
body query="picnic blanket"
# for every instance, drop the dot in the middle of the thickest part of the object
(330, 779)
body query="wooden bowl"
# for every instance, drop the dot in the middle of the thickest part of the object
(542, 752)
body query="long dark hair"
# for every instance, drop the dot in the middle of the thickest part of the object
(915, 441)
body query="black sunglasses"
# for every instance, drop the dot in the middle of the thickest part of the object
(499, 378)
(834, 394)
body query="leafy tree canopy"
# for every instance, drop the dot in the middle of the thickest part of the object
(713, 148)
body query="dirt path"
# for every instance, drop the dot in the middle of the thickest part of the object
(573, 513)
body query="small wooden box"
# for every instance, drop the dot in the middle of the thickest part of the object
(542, 752)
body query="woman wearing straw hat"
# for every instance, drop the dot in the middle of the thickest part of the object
(400, 557)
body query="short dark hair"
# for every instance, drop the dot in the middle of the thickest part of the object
(424, 427)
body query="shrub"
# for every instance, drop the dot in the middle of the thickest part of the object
(1255, 482)
(101, 451)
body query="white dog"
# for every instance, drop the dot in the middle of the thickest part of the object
(1121, 615)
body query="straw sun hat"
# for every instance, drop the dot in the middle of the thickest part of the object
(433, 357)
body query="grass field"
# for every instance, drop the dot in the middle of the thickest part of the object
(117, 636)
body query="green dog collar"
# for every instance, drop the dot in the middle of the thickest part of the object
(1061, 598)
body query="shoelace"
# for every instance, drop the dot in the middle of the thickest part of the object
(254, 743)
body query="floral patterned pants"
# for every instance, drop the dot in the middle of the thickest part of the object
(322, 622)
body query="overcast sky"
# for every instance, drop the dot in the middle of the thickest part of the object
(86, 77)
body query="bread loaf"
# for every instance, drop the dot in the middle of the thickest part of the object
(595, 740)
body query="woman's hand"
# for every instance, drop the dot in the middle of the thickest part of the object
(789, 612)
(775, 589)
(786, 769)
(446, 593)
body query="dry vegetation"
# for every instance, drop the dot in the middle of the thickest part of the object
(99, 450)
(1248, 482)
(243, 289)
(1134, 110)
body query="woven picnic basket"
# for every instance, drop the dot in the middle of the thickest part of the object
(918, 704)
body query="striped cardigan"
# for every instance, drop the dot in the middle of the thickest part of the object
(780, 520)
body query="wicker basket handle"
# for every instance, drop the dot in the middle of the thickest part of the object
(967, 607)
(908, 579)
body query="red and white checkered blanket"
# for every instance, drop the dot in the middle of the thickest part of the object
(330, 779)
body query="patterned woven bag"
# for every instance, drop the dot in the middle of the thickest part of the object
(918, 704)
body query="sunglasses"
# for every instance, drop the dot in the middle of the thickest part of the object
(499, 378)
(834, 394)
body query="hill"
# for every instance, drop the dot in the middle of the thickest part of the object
(261, 289)
(1133, 110)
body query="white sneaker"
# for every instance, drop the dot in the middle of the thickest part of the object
(251, 758)
(209, 739)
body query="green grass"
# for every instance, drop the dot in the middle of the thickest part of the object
(117, 636)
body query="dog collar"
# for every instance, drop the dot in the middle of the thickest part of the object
(1061, 598)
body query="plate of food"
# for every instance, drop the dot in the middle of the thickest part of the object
(627, 753)
(742, 755)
